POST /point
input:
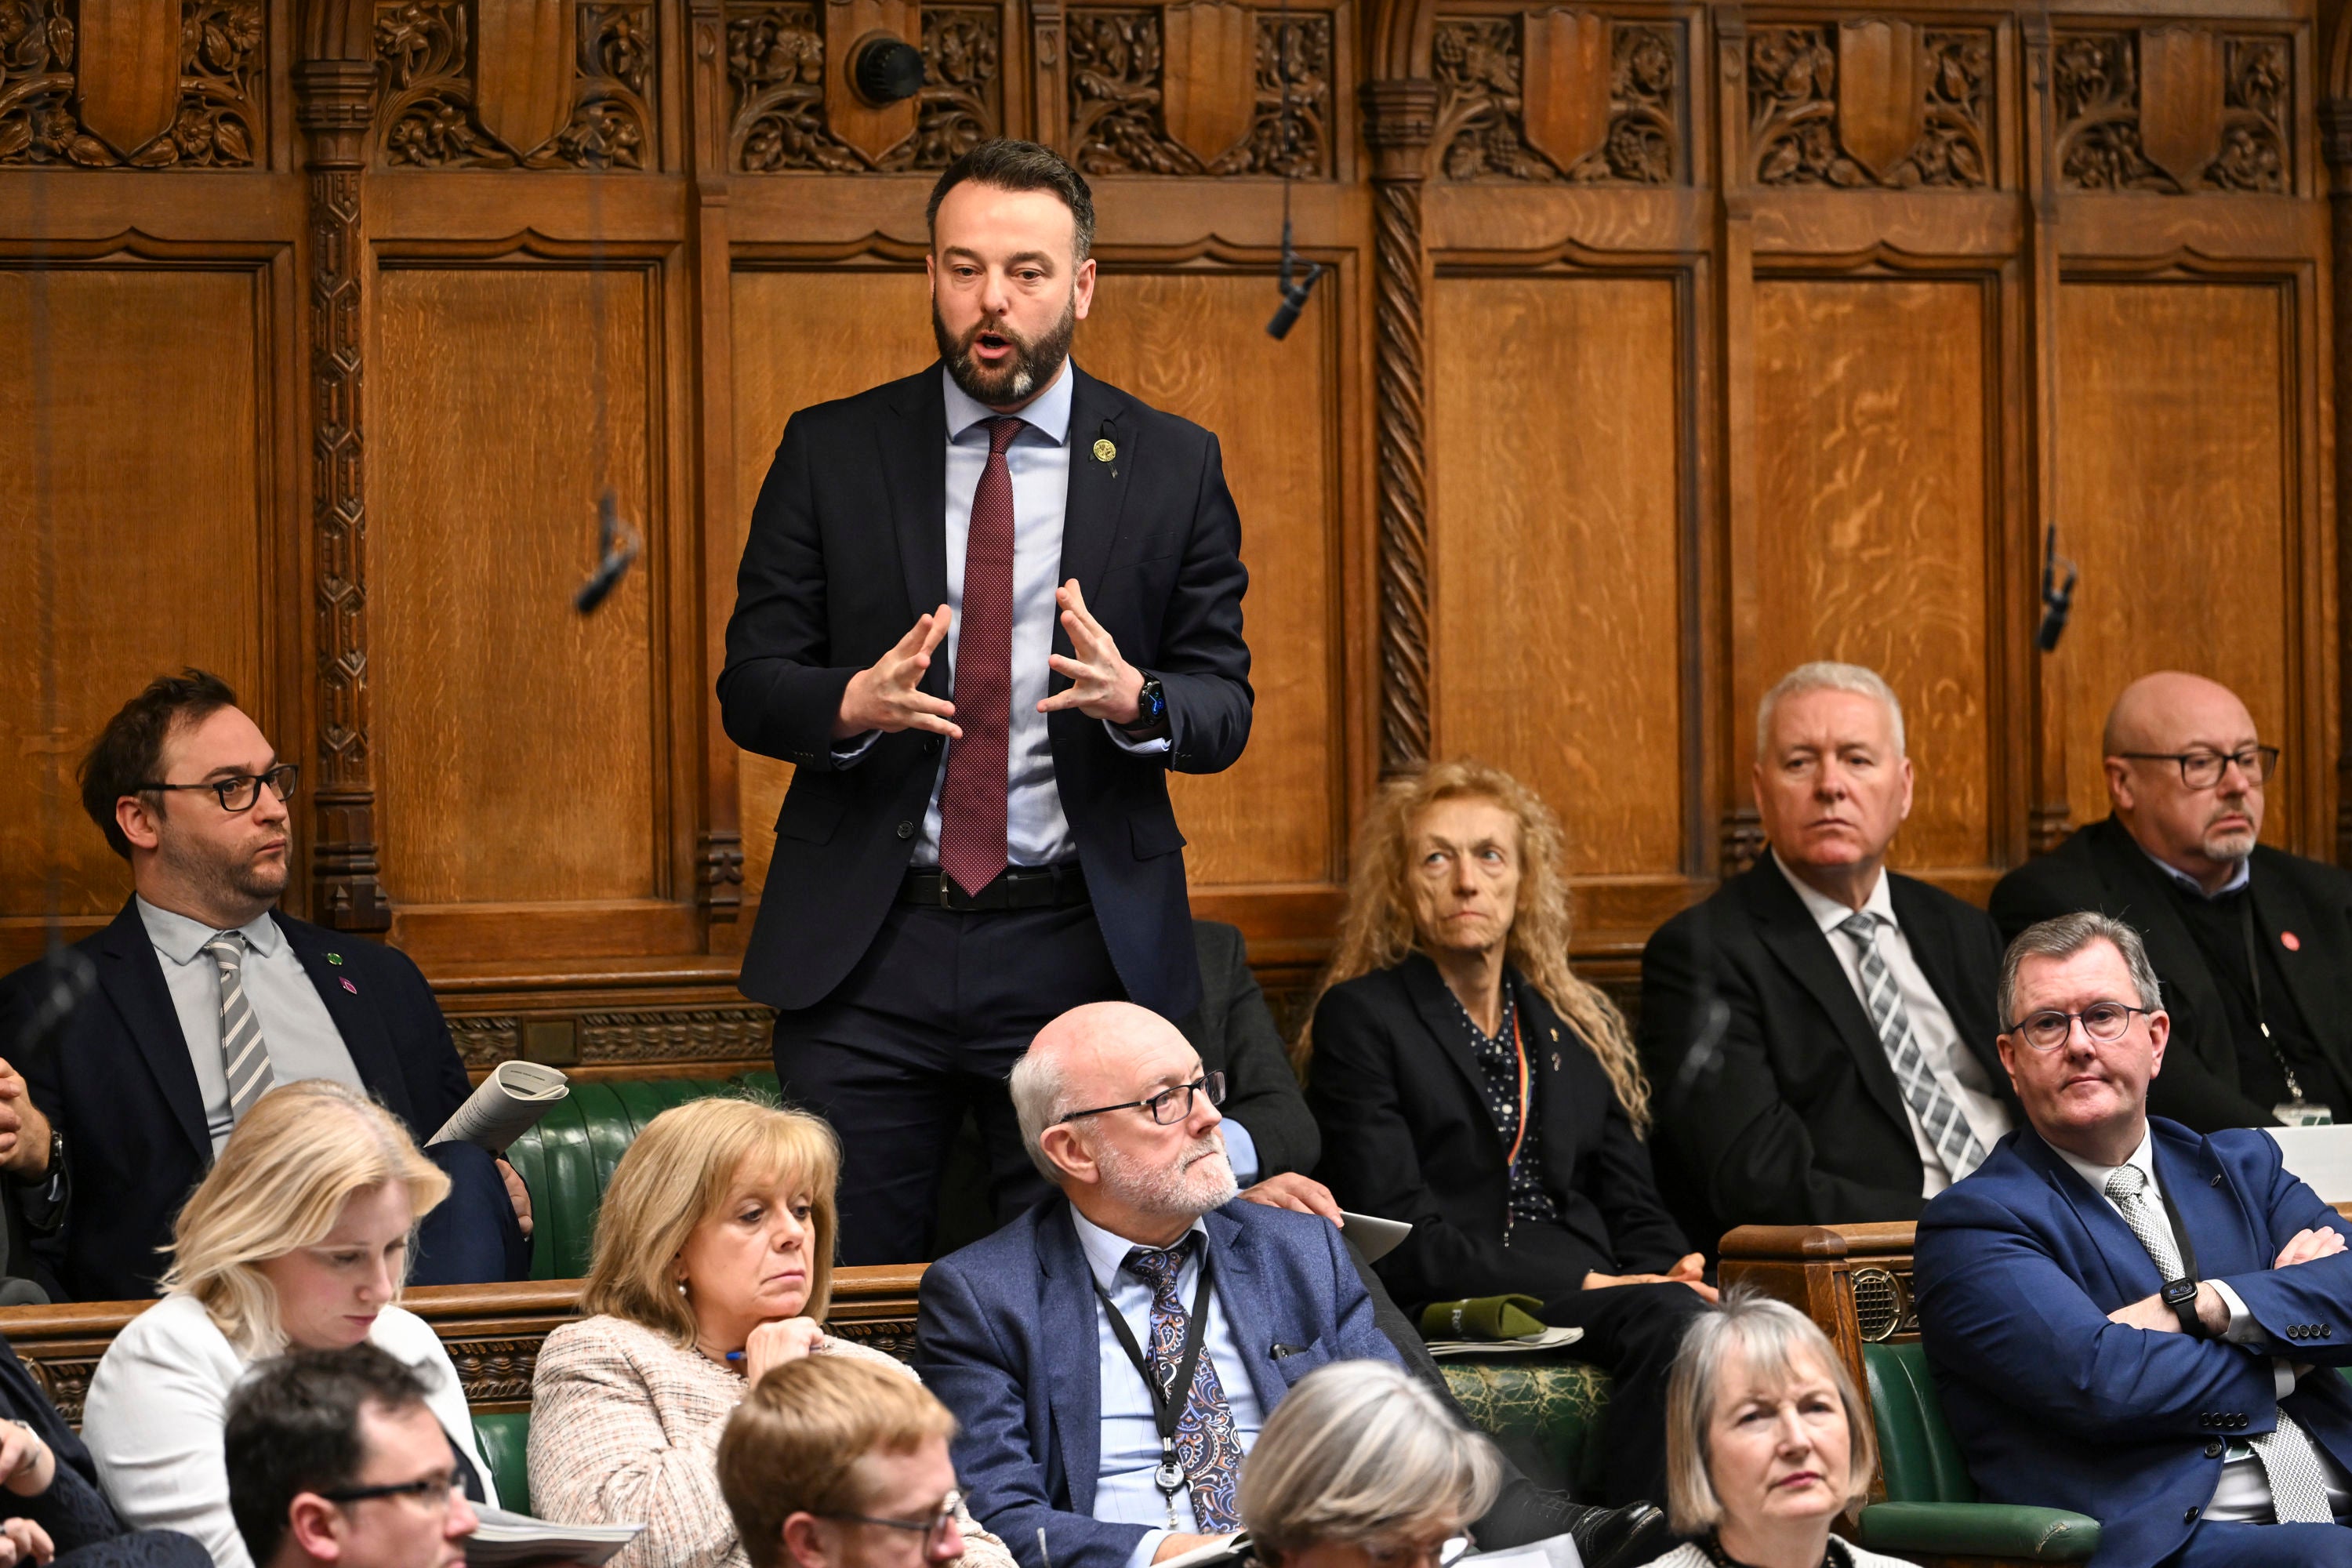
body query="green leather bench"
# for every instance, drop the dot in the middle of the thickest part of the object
(1931, 1505)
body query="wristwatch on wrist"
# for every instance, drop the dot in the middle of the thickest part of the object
(1151, 707)
(2180, 1294)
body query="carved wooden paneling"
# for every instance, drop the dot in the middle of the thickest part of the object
(514, 740)
(776, 73)
(2174, 109)
(1872, 517)
(1870, 102)
(1194, 343)
(1492, 111)
(627, 1038)
(155, 556)
(220, 121)
(428, 118)
(1118, 79)
(1558, 542)
(2174, 453)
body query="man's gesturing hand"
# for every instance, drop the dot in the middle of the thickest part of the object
(1102, 685)
(884, 696)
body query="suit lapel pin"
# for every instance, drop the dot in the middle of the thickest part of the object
(2290, 941)
(334, 958)
(1105, 450)
(348, 986)
(1555, 1061)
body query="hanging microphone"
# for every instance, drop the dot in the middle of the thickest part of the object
(1294, 295)
(67, 976)
(2057, 601)
(617, 545)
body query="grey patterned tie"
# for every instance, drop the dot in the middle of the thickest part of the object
(2298, 1484)
(244, 1057)
(1947, 1130)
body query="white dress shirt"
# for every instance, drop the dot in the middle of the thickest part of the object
(296, 1027)
(1955, 1067)
(1124, 1490)
(159, 1401)
(1036, 832)
(2242, 1495)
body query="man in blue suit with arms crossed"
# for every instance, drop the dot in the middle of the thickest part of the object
(2128, 1318)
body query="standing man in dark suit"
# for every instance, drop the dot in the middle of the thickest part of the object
(2128, 1318)
(207, 996)
(2253, 945)
(1268, 1129)
(1820, 1031)
(983, 611)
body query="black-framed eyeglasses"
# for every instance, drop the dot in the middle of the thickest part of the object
(434, 1491)
(2103, 1022)
(1170, 1105)
(2202, 769)
(242, 792)
(934, 1530)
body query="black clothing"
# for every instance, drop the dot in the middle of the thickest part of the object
(75, 1511)
(2272, 1039)
(2202, 1086)
(1795, 1116)
(1634, 1331)
(1500, 1055)
(1235, 1035)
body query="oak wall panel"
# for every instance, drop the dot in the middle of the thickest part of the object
(1557, 537)
(516, 747)
(157, 508)
(1875, 521)
(2173, 474)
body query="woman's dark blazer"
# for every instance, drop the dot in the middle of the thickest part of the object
(1399, 1100)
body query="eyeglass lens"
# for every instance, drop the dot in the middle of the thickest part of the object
(2102, 1021)
(241, 793)
(2203, 769)
(1173, 1105)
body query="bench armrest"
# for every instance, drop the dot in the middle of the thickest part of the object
(1979, 1529)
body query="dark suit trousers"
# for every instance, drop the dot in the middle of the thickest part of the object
(1632, 1333)
(926, 1026)
(2213, 1545)
(472, 1236)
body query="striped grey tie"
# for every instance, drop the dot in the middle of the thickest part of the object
(2298, 1484)
(243, 1055)
(1947, 1130)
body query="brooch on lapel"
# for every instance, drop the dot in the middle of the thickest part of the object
(350, 987)
(2290, 941)
(1105, 450)
(334, 958)
(1555, 1061)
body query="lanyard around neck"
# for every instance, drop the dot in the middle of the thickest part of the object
(1166, 1404)
(1519, 1049)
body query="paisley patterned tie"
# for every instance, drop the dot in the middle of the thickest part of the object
(1206, 1444)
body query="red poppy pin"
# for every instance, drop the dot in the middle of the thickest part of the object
(350, 987)
(2290, 941)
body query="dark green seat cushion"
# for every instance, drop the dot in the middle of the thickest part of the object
(1544, 1412)
(504, 1440)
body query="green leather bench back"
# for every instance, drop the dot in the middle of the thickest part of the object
(504, 1440)
(1543, 1412)
(1916, 1451)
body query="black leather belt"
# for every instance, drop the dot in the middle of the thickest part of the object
(1016, 888)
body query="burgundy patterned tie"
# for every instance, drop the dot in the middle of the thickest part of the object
(971, 805)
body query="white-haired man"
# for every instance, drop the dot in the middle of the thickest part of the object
(1057, 1342)
(1819, 1032)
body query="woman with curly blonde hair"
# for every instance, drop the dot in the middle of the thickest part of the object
(1467, 1081)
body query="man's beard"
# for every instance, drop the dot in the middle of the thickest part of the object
(1200, 1180)
(1033, 365)
(227, 882)
(2235, 845)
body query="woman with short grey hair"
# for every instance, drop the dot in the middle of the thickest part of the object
(1360, 1466)
(1767, 1443)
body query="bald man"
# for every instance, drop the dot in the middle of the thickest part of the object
(1041, 1339)
(2251, 946)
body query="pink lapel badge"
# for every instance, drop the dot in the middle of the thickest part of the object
(2290, 941)
(350, 987)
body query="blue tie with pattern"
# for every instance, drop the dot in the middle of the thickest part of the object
(1206, 1444)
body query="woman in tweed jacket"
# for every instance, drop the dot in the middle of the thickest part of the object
(713, 1262)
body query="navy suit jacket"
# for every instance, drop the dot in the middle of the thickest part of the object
(121, 1087)
(2015, 1271)
(1006, 1337)
(848, 545)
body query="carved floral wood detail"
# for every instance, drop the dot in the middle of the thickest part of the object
(427, 117)
(720, 1033)
(1795, 110)
(224, 62)
(1478, 63)
(1117, 71)
(775, 68)
(2102, 118)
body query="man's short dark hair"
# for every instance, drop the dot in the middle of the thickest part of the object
(1012, 165)
(294, 1427)
(130, 750)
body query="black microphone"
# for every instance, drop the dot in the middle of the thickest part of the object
(2057, 602)
(617, 545)
(1294, 295)
(67, 977)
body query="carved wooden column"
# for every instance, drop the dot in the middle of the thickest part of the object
(2336, 146)
(335, 98)
(718, 855)
(1739, 833)
(1400, 116)
(2052, 817)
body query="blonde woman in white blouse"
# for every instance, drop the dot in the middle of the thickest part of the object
(298, 1239)
(713, 1262)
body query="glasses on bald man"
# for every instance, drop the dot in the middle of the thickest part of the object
(1169, 1106)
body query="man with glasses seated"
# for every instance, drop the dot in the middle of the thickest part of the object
(335, 1460)
(2253, 945)
(1057, 1341)
(203, 996)
(2129, 1318)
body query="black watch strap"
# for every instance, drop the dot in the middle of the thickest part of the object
(2180, 1294)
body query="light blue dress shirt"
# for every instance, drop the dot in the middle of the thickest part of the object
(1036, 832)
(1124, 1491)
